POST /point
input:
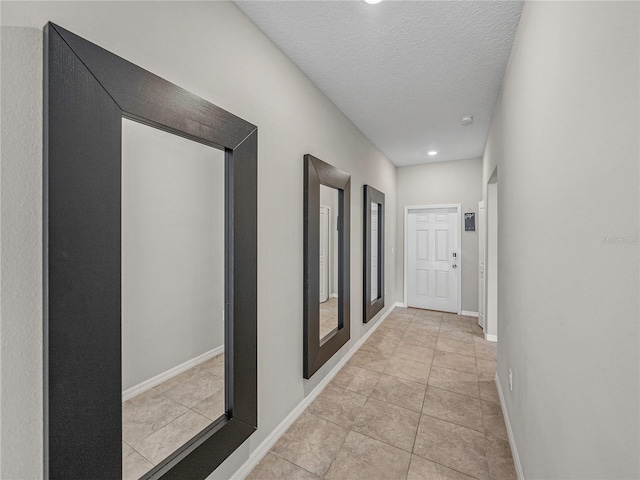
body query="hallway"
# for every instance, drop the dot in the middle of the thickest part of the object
(416, 401)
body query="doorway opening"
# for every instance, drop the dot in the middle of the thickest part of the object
(491, 266)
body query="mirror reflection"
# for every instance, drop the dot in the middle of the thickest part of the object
(329, 198)
(375, 251)
(173, 249)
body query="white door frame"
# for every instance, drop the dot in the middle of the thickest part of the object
(458, 208)
(328, 257)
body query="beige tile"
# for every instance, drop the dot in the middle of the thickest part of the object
(454, 381)
(485, 350)
(390, 332)
(147, 413)
(338, 405)
(427, 340)
(455, 317)
(356, 379)
(476, 331)
(403, 311)
(447, 345)
(488, 391)
(422, 329)
(212, 407)
(423, 469)
(453, 446)
(370, 360)
(414, 352)
(169, 438)
(428, 314)
(214, 366)
(486, 369)
(194, 389)
(456, 324)
(408, 369)
(433, 322)
(311, 443)
(380, 344)
(388, 423)
(500, 460)
(134, 465)
(453, 407)
(457, 335)
(398, 322)
(363, 458)
(274, 467)
(493, 420)
(453, 361)
(400, 392)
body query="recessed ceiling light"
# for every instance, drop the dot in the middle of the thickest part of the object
(372, 2)
(432, 153)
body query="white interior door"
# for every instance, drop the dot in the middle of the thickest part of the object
(481, 258)
(432, 258)
(324, 253)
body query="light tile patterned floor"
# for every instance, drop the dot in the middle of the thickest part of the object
(158, 421)
(417, 401)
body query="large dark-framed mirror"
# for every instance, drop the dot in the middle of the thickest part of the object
(327, 220)
(373, 252)
(89, 92)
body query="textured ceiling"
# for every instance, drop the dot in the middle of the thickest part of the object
(404, 72)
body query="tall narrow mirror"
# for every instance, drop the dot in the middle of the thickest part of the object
(173, 251)
(373, 252)
(327, 193)
(328, 229)
(150, 266)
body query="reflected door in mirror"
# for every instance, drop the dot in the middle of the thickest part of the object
(173, 277)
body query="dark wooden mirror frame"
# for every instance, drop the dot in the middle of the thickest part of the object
(316, 173)
(87, 92)
(371, 309)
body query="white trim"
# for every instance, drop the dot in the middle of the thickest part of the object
(172, 372)
(507, 422)
(458, 208)
(469, 313)
(400, 305)
(490, 338)
(262, 449)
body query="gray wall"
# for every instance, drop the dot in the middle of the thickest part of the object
(172, 251)
(442, 183)
(565, 140)
(214, 51)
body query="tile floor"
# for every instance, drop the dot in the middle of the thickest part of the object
(417, 401)
(158, 421)
(328, 316)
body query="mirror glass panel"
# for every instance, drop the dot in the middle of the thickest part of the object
(173, 293)
(329, 198)
(375, 251)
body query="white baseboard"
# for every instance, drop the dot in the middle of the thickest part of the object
(512, 440)
(172, 372)
(469, 313)
(400, 305)
(262, 449)
(490, 338)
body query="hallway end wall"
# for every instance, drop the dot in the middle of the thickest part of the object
(438, 184)
(565, 140)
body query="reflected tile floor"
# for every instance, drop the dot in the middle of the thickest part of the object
(416, 401)
(328, 316)
(158, 421)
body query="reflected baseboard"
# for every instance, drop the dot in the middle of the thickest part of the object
(469, 313)
(172, 372)
(262, 449)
